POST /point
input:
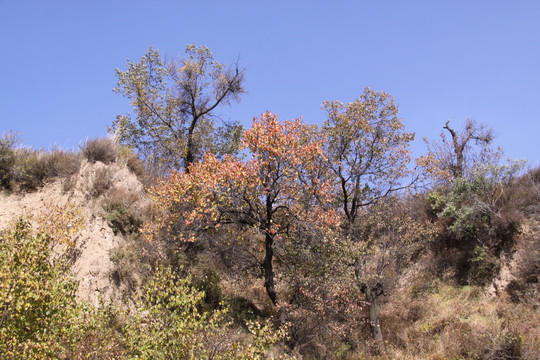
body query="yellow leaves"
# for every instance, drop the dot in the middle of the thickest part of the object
(61, 222)
(38, 294)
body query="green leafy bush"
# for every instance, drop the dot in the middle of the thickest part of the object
(123, 221)
(166, 323)
(40, 317)
(209, 284)
(478, 221)
(122, 215)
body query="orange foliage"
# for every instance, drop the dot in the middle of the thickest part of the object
(281, 171)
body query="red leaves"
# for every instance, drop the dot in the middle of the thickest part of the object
(275, 187)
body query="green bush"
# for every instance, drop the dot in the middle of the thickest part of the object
(167, 323)
(209, 284)
(479, 223)
(40, 317)
(123, 221)
(121, 212)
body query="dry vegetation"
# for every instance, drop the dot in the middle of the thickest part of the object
(458, 268)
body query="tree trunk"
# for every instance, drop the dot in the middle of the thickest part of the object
(372, 294)
(457, 170)
(371, 297)
(190, 157)
(268, 270)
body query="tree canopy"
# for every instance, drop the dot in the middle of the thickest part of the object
(175, 103)
(274, 192)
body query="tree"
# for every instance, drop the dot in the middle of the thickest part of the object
(456, 157)
(368, 155)
(367, 150)
(275, 193)
(174, 105)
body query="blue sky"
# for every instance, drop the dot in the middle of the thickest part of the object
(441, 60)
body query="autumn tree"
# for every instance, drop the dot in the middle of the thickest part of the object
(175, 106)
(275, 192)
(368, 154)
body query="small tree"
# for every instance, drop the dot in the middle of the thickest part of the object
(274, 193)
(456, 157)
(368, 155)
(174, 105)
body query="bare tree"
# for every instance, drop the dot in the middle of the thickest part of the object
(455, 157)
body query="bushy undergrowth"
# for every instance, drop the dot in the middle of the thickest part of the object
(429, 259)
(24, 169)
(123, 216)
(167, 323)
(40, 315)
(42, 319)
(133, 163)
(480, 219)
(100, 149)
(446, 321)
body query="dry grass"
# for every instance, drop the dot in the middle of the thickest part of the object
(26, 169)
(452, 322)
(101, 182)
(133, 163)
(100, 149)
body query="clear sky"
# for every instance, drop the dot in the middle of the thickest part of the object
(441, 60)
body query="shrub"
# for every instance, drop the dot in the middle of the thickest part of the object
(26, 169)
(60, 163)
(166, 323)
(477, 220)
(41, 315)
(122, 217)
(121, 220)
(100, 149)
(7, 159)
(37, 296)
(34, 167)
(209, 284)
(133, 163)
(101, 182)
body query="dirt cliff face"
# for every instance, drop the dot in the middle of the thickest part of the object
(85, 190)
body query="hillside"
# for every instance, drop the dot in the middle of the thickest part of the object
(437, 294)
(93, 244)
